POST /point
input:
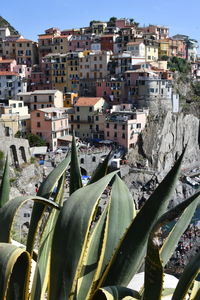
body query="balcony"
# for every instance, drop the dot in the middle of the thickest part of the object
(81, 121)
(54, 118)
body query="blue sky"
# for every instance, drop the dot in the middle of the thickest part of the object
(33, 17)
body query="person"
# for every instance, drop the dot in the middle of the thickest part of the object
(36, 188)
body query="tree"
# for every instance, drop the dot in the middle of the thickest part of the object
(35, 140)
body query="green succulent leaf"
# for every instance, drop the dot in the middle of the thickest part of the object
(41, 275)
(71, 237)
(179, 228)
(14, 270)
(91, 259)
(5, 185)
(122, 268)
(45, 190)
(153, 263)
(116, 293)
(75, 173)
(8, 212)
(195, 292)
(187, 278)
(154, 273)
(101, 170)
(121, 212)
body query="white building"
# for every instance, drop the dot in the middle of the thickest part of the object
(136, 48)
(11, 83)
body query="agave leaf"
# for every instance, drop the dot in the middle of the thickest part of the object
(122, 268)
(5, 185)
(153, 264)
(91, 258)
(71, 237)
(101, 170)
(45, 191)
(75, 173)
(121, 212)
(8, 211)
(195, 293)
(187, 278)
(181, 225)
(43, 261)
(14, 270)
(116, 293)
(154, 273)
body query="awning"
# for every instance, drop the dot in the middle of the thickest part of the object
(108, 142)
(67, 138)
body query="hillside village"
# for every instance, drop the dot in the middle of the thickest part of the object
(102, 81)
(118, 86)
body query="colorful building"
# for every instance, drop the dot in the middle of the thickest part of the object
(86, 112)
(42, 99)
(123, 125)
(50, 124)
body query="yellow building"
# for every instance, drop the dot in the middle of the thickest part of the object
(15, 117)
(69, 99)
(151, 51)
(73, 71)
(59, 69)
(60, 44)
(163, 47)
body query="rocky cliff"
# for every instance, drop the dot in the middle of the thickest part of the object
(159, 145)
(163, 140)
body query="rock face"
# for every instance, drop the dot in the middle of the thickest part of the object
(164, 139)
(159, 145)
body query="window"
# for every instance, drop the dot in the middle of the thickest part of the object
(139, 125)
(115, 126)
(78, 126)
(77, 108)
(35, 98)
(38, 124)
(97, 118)
(38, 114)
(78, 118)
(20, 105)
(90, 108)
(123, 135)
(108, 133)
(115, 134)
(107, 125)
(94, 158)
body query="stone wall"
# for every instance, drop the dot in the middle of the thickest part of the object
(17, 149)
(89, 160)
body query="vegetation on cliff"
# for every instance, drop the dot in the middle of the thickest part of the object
(4, 23)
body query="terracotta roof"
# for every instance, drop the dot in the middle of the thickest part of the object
(62, 36)
(4, 61)
(45, 36)
(87, 101)
(22, 41)
(107, 35)
(134, 43)
(7, 73)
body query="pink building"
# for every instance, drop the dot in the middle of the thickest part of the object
(51, 124)
(112, 90)
(80, 43)
(123, 126)
(7, 65)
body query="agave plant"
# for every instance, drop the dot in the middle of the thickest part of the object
(81, 257)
